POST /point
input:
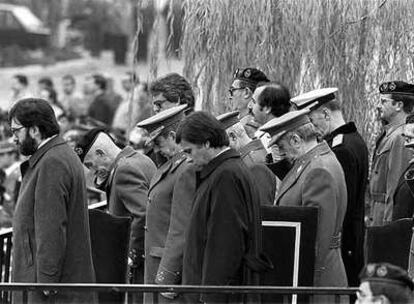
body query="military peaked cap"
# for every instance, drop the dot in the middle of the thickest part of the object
(228, 119)
(86, 141)
(314, 99)
(250, 75)
(386, 273)
(396, 87)
(285, 123)
(157, 123)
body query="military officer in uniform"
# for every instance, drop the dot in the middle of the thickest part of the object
(169, 203)
(245, 81)
(352, 153)
(386, 284)
(391, 157)
(253, 155)
(316, 179)
(125, 175)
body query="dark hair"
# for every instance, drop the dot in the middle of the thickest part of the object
(30, 112)
(100, 81)
(200, 127)
(394, 292)
(69, 77)
(407, 100)
(175, 88)
(22, 79)
(275, 96)
(47, 82)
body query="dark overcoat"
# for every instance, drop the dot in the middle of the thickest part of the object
(224, 227)
(404, 195)
(127, 190)
(352, 153)
(51, 240)
(317, 180)
(390, 160)
(168, 211)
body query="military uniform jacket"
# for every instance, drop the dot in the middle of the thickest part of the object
(127, 190)
(254, 155)
(225, 209)
(352, 153)
(51, 239)
(317, 180)
(390, 160)
(404, 195)
(168, 210)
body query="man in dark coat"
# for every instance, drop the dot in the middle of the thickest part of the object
(170, 199)
(125, 175)
(352, 153)
(51, 240)
(223, 239)
(253, 154)
(316, 179)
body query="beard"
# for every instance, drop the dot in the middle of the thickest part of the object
(28, 146)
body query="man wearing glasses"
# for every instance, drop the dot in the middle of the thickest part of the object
(51, 242)
(241, 91)
(171, 90)
(391, 157)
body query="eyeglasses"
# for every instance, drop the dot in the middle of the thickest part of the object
(15, 130)
(231, 90)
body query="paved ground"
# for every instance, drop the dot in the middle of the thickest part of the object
(79, 68)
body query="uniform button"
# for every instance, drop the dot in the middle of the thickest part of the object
(145, 228)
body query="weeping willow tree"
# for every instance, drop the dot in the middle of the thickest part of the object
(350, 44)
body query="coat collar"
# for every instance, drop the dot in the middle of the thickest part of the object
(216, 162)
(170, 166)
(125, 152)
(344, 129)
(254, 145)
(300, 165)
(56, 141)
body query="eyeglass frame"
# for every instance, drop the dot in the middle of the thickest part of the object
(232, 89)
(15, 130)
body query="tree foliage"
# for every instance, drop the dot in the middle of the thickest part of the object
(350, 44)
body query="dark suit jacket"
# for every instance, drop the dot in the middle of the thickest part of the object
(352, 153)
(224, 226)
(127, 190)
(51, 240)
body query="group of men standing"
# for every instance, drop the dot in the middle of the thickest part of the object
(195, 197)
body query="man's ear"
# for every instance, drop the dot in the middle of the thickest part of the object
(206, 144)
(34, 131)
(232, 136)
(172, 135)
(295, 140)
(247, 93)
(399, 105)
(99, 152)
